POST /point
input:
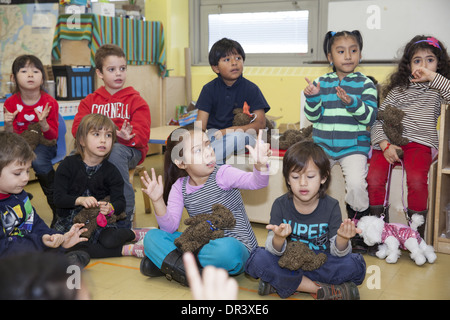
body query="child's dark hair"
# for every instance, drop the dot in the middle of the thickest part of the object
(14, 148)
(331, 36)
(222, 48)
(297, 157)
(171, 171)
(96, 122)
(21, 61)
(36, 276)
(105, 51)
(400, 77)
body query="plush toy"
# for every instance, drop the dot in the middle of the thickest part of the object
(33, 135)
(298, 256)
(392, 126)
(205, 227)
(242, 117)
(292, 136)
(92, 219)
(393, 236)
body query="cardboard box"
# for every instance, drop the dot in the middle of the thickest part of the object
(75, 52)
(285, 126)
(104, 9)
(75, 9)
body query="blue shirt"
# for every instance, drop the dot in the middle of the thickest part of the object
(219, 100)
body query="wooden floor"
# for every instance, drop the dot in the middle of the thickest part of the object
(120, 278)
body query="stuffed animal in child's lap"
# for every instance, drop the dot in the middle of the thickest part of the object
(393, 236)
(205, 227)
(299, 256)
(93, 219)
(242, 117)
(33, 135)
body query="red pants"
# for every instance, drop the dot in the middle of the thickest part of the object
(416, 161)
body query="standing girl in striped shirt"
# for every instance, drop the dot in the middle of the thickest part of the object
(418, 87)
(193, 181)
(341, 105)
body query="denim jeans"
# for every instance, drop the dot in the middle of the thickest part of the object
(43, 162)
(336, 270)
(126, 158)
(230, 143)
(227, 253)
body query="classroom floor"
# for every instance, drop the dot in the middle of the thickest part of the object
(120, 278)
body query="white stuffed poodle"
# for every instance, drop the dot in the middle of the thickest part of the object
(392, 236)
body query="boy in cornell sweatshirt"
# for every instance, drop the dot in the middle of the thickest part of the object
(129, 112)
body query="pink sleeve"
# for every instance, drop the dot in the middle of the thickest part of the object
(175, 204)
(229, 177)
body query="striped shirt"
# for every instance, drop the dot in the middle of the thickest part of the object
(421, 103)
(221, 187)
(341, 130)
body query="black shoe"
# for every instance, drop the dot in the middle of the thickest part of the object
(79, 258)
(264, 288)
(173, 267)
(149, 269)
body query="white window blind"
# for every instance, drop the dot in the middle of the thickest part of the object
(262, 32)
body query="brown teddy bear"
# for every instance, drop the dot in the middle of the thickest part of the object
(298, 256)
(392, 126)
(88, 216)
(33, 135)
(205, 227)
(242, 117)
(292, 136)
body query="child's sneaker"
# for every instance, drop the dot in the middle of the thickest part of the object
(345, 291)
(134, 249)
(138, 249)
(141, 232)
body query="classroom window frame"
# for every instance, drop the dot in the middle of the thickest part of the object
(199, 31)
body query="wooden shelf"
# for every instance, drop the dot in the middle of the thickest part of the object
(442, 244)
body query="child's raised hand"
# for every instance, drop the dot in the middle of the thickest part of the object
(343, 96)
(311, 89)
(9, 117)
(73, 236)
(348, 230)
(154, 188)
(126, 131)
(213, 284)
(42, 114)
(422, 74)
(260, 153)
(282, 231)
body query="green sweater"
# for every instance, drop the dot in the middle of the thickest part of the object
(340, 129)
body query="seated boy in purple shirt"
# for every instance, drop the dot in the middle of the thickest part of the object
(222, 95)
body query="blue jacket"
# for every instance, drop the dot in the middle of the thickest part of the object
(21, 227)
(341, 130)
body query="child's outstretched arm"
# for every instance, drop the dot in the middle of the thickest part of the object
(67, 240)
(154, 189)
(260, 153)
(280, 232)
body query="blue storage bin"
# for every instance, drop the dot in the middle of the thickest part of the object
(73, 83)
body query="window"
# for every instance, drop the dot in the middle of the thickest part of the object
(278, 32)
(271, 32)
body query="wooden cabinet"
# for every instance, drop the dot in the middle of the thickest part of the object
(441, 240)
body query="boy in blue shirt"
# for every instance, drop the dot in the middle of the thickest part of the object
(21, 228)
(230, 90)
